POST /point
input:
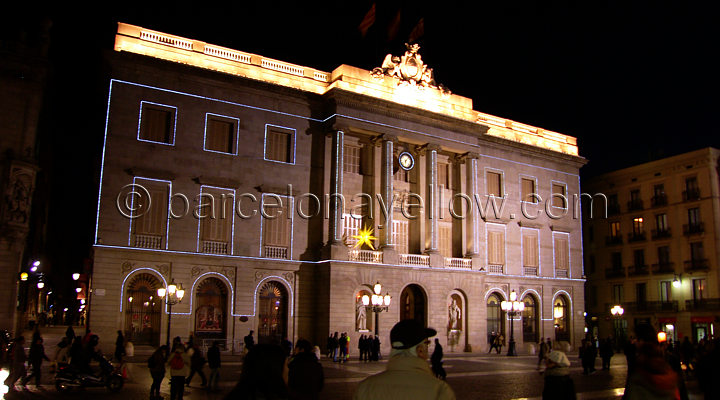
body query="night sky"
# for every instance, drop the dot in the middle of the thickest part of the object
(632, 82)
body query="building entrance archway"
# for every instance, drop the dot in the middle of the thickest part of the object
(211, 299)
(143, 310)
(272, 313)
(413, 304)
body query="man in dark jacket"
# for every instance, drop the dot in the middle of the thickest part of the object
(197, 362)
(305, 377)
(119, 346)
(213, 357)
(36, 357)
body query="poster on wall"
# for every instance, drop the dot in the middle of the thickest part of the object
(209, 319)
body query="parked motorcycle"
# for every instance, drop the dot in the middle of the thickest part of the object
(69, 377)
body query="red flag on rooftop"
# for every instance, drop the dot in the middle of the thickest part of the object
(368, 21)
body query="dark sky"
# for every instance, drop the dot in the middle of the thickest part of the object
(633, 81)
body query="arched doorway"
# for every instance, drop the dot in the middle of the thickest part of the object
(413, 304)
(495, 317)
(561, 317)
(272, 313)
(211, 299)
(530, 320)
(143, 310)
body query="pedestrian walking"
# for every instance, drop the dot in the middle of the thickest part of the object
(36, 357)
(342, 345)
(606, 353)
(493, 342)
(179, 366)
(156, 365)
(335, 343)
(329, 346)
(653, 377)
(70, 333)
(375, 349)
(558, 384)
(542, 353)
(119, 346)
(436, 361)
(197, 362)
(500, 342)
(17, 367)
(263, 375)
(249, 342)
(305, 373)
(213, 359)
(361, 348)
(407, 375)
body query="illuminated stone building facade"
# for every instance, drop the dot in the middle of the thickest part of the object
(656, 254)
(299, 153)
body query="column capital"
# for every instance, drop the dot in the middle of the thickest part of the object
(470, 156)
(383, 138)
(424, 148)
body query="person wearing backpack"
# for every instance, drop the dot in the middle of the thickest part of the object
(156, 365)
(179, 366)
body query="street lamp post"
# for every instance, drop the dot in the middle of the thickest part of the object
(379, 302)
(617, 311)
(175, 294)
(513, 308)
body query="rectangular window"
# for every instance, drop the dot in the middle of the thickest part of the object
(221, 133)
(698, 289)
(279, 144)
(639, 257)
(696, 251)
(663, 255)
(149, 228)
(400, 236)
(661, 222)
(616, 260)
(615, 229)
(694, 216)
(157, 123)
(637, 226)
(496, 247)
(277, 227)
(530, 248)
(351, 161)
(562, 252)
(559, 195)
(665, 291)
(692, 190)
(659, 190)
(444, 175)
(528, 190)
(494, 183)
(215, 213)
(445, 238)
(617, 294)
(641, 292)
(351, 227)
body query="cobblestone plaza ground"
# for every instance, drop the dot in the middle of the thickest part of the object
(471, 375)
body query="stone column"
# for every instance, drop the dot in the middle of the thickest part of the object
(472, 224)
(336, 247)
(433, 210)
(387, 243)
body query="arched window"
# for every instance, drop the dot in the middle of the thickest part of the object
(272, 313)
(495, 314)
(530, 320)
(211, 310)
(413, 304)
(143, 310)
(561, 317)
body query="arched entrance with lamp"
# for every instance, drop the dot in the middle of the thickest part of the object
(272, 312)
(211, 316)
(142, 310)
(530, 319)
(495, 317)
(561, 318)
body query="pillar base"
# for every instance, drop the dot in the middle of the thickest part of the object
(335, 251)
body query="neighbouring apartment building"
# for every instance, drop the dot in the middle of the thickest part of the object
(656, 253)
(278, 195)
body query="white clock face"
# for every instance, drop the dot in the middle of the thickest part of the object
(406, 161)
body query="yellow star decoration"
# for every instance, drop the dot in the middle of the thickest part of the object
(364, 236)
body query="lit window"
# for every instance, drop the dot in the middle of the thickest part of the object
(221, 134)
(279, 144)
(528, 190)
(157, 123)
(351, 163)
(559, 195)
(494, 184)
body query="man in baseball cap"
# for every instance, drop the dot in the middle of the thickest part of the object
(408, 375)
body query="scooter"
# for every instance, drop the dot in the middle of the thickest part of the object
(69, 377)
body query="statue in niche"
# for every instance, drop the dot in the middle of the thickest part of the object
(361, 320)
(454, 314)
